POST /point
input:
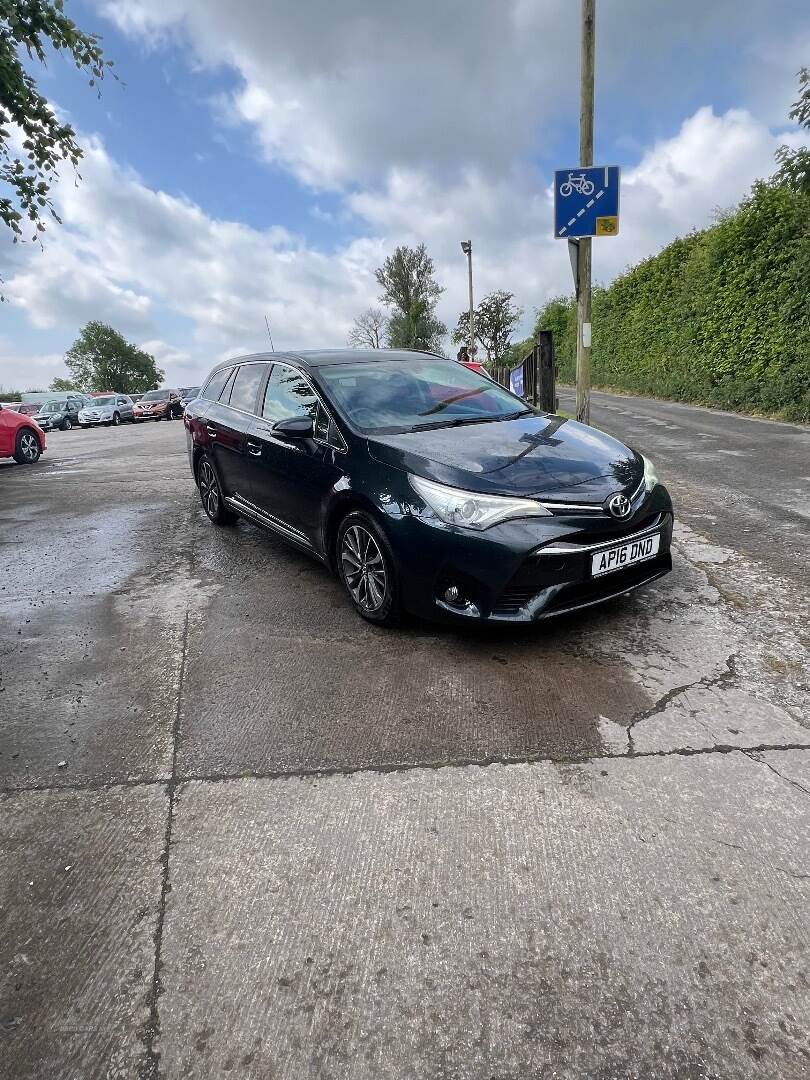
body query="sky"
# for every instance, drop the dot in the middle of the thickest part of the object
(261, 159)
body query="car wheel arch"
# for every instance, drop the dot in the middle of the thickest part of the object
(346, 503)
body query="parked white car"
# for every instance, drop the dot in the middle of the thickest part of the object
(110, 409)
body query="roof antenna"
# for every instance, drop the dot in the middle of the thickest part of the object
(267, 324)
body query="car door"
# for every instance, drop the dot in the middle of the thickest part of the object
(73, 406)
(228, 422)
(124, 406)
(290, 478)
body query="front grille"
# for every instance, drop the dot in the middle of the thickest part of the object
(515, 598)
(562, 580)
(614, 531)
(599, 588)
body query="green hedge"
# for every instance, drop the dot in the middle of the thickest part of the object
(719, 317)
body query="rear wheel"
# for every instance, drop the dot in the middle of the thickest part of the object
(211, 494)
(366, 567)
(26, 447)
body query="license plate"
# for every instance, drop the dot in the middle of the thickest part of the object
(617, 558)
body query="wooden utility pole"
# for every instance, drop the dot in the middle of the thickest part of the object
(584, 269)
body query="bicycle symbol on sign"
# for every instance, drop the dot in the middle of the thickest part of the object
(576, 183)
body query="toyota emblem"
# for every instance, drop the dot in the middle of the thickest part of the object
(619, 506)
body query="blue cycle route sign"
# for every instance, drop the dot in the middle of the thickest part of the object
(586, 201)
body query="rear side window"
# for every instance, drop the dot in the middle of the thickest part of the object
(215, 385)
(246, 387)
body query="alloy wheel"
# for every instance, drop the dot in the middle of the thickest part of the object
(209, 489)
(29, 447)
(364, 568)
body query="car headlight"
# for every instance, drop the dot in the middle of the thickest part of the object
(470, 509)
(650, 475)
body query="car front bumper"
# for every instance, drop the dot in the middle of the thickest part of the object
(94, 419)
(527, 570)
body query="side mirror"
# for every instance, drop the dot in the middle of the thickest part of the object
(297, 427)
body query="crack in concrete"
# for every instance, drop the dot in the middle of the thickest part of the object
(706, 682)
(788, 780)
(150, 1066)
(400, 767)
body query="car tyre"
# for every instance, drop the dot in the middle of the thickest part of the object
(67, 424)
(365, 565)
(26, 447)
(211, 494)
(116, 420)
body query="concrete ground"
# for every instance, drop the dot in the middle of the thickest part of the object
(243, 833)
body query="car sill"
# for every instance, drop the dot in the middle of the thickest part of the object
(261, 518)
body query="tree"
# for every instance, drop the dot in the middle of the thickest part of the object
(101, 359)
(794, 165)
(31, 26)
(370, 329)
(495, 320)
(410, 289)
(64, 386)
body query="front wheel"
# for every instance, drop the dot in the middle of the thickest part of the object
(211, 494)
(116, 420)
(26, 447)
(366, 567)
(67, 424)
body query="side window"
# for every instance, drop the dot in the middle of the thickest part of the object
(225, 396)
(288, 395)
(122, 401)
(213, 388)
(246, 387)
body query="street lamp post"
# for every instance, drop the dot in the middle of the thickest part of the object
(466, 247)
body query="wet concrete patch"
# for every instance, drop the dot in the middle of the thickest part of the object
(643, 917)
(260, 702)
(87, 696)
(80, 882)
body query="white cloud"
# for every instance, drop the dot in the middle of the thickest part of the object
(341, 93)
(30, 372)
(193, 288)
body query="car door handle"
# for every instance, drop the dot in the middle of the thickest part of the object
(254, 448)
(212, 431)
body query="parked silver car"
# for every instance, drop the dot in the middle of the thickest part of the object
(109, 409)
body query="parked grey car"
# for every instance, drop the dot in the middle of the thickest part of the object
(109, 409)
(60, 413)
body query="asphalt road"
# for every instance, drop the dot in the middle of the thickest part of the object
(243, 833)
(744, 481)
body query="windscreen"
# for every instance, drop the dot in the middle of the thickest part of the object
(156, 395)
(54, 406)
(391, 396)
(104, 401)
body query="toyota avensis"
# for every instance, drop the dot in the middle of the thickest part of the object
(426, 486)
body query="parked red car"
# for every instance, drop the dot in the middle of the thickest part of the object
(20, 437)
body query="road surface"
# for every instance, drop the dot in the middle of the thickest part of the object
(243, 833)
(743, 481)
